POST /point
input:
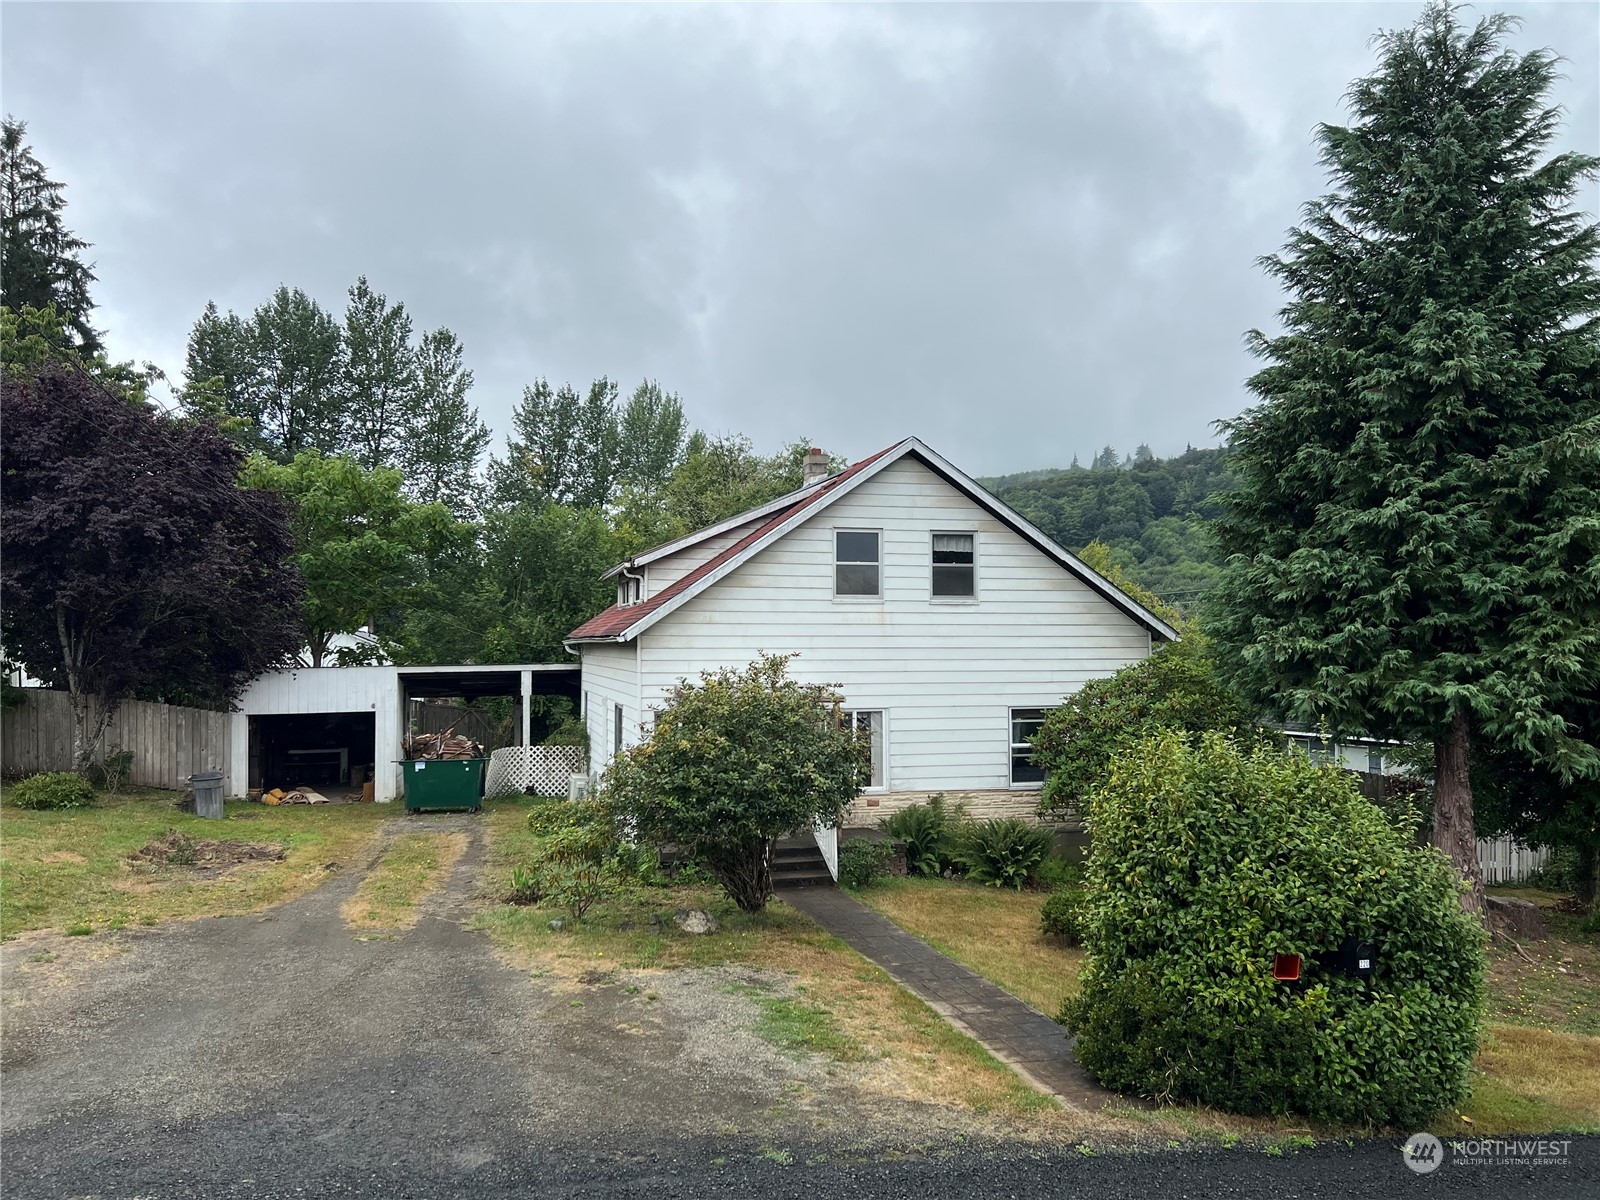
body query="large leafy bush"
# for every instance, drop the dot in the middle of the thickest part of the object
(58, 789)
(736, 760)
(1174, 688)
(1207, 861)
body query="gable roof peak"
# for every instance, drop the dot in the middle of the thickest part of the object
(622, 623)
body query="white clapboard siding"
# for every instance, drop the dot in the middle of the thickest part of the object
(610, 678)
(1504, 860)
(169, 743)
(664, 572)
(946, 674)
(326, 690)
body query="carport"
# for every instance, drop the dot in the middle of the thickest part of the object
(319, 725)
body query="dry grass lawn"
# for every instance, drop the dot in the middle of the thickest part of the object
(995, 931)
(412, 866)
(72, 871)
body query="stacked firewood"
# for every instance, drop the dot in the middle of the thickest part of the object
(448, 744)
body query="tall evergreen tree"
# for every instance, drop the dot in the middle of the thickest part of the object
(378, 384)
(440, 453)
(1415, 537)
(41, 264)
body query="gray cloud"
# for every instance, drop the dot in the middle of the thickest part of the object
(1020, 232)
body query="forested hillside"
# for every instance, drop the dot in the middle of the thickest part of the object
(1152, 512)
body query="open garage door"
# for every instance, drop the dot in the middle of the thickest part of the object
(331, 753)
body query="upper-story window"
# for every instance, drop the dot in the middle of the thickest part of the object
(857, 562)
(955, 566)
(629, 590)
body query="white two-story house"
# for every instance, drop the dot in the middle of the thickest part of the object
(949, 623)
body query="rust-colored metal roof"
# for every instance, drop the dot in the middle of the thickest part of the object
(618, 619)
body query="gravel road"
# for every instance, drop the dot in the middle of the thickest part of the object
(280, 1056)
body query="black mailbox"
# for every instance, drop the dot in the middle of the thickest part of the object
(1353, 957)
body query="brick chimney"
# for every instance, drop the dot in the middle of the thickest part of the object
(816, 468)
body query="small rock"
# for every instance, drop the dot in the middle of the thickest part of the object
(624, 926)
(1518, 918)
(695, 920)
(557, 925)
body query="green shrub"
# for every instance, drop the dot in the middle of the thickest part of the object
(862, 860)
(58, 789)
(110, 774)
(1174, 688)
(1208, 860)
(580, 856)
(1063, 915)
(527, 886)
(929, 831)
(734, 762)
(1003, 852)
(1058, 871)
(571, 732)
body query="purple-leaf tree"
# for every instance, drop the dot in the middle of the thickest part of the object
(131, 561)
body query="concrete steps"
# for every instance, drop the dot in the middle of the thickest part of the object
(797, 863)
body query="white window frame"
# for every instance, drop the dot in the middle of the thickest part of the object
(834, 564)
(616, 734)
(934, 533)
(1024, 785)
(630, 590)
(880, 750)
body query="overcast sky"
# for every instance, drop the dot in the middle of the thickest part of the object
(1019, 232)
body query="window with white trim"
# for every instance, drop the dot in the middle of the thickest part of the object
(867, 726)
(1025, 724)
(616, 735)
(857, 562)
(1374, 760)
(955, 566)
(629, 588)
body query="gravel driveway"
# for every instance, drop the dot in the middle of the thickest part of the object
(279, 1055)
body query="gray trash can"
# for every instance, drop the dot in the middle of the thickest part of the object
(207, 787)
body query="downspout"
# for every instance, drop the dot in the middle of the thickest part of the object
(627, 574)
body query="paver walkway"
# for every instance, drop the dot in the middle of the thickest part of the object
(1023, 1038)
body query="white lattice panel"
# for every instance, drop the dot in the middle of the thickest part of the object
(542, 770)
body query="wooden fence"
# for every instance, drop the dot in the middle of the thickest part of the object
(169, 743)
(468, 722)
(1503, 860)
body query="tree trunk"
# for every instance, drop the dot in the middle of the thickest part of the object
(1453, 830)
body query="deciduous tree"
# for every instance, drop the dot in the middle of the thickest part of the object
(132, 560)
(360, 545)
(736, 760)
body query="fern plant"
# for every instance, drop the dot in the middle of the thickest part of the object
(1003, 852)
(929, 832)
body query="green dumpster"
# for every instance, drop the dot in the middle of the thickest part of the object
(442, 783)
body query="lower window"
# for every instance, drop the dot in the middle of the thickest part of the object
(867, 725)
(1025, 723)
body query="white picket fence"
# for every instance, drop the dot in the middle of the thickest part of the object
(1504, 860)
(542, 770)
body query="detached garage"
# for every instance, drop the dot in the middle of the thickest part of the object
(337, 727)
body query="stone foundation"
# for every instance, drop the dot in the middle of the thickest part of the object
(983, 805)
